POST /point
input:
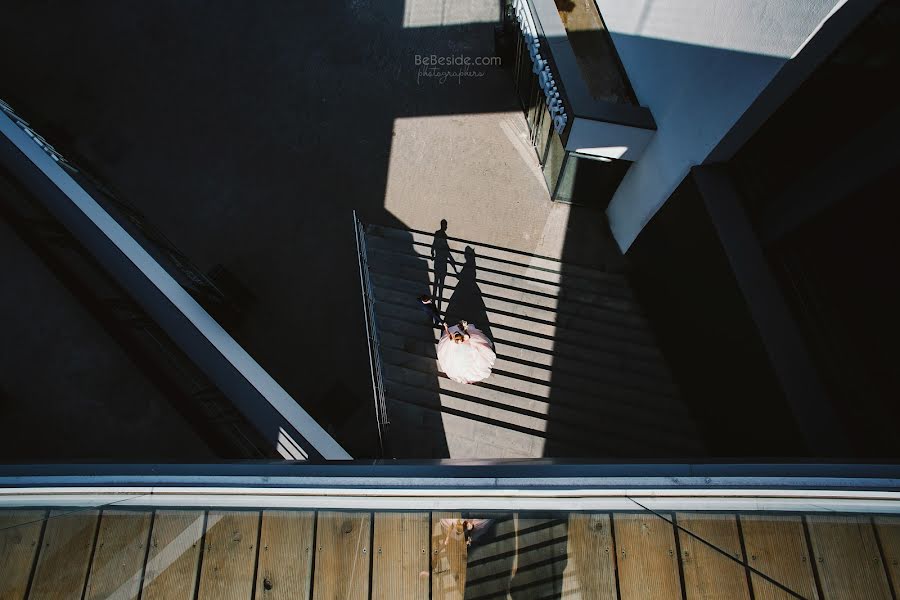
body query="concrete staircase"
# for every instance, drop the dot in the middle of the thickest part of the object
(578, 373)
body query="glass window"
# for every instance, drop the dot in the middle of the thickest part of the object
(543, 134)
(590, 180)
(553, 163)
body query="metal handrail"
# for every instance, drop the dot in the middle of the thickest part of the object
(381, 418)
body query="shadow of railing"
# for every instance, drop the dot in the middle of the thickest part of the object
(519, 558)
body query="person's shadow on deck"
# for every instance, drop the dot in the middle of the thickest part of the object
(467, 302)
(440, 253)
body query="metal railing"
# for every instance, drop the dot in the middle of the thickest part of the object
(368, 297)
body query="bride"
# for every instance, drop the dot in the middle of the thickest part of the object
(465, 354)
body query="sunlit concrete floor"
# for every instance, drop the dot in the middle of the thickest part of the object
(248, 134)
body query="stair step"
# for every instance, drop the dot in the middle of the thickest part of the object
(529, 347)
(466, 436)
(606, 311)
(417, 270)
(416, 431)
(394, 250)
(511, 413)
(422, 241)
(634, 331)
(578, 370)
(519, 435)
(617, 324)
(522, 325)
(664, 413)
(568, 374)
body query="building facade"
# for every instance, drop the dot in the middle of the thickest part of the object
(755, 210)
(757, 221)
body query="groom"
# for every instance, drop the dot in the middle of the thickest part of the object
(426, 302)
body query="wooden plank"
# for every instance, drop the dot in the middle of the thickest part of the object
(491, 559)
(65, 555)
(646, 557)
(343, 546)
(229, 555)
(20, 532)
(540, 556)
(708, 573)
(174, 557)
(401, 559)
(888, 529)
(776, 546)
(119, 554)
(448, 559)
(847, 557)
(591, 566)
(285, 555)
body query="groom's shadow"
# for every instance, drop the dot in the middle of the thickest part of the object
(466, 302)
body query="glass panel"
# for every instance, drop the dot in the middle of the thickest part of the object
(522, 60)
(543, 134)
(525, 79)
(556, 154)
(534, 106)
(590, 181)
(534, 113)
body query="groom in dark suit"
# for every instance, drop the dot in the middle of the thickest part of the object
(426, 302)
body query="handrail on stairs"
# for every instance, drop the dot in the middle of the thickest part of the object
(381, 418)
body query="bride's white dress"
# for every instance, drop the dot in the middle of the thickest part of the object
(469, 361)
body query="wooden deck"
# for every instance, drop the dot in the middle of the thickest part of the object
(241, 555)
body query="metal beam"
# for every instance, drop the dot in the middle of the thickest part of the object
(289, 428)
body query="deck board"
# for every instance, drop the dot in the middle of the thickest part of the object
(285, 555)
(591, 566)
(491, 560)
(173, 560)
(65, 555)
(448, 559)
(229, 555)
(20, 532)
(888, 529)
(119, 554)
(401, 559)
(343, 555)
(847, 557)
(403, 556)
(707, 572)
(646, 557)
(541, 557)
(776, 546)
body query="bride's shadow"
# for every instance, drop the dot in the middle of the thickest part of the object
(467, 303)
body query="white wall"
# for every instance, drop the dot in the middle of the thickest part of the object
(698, 65)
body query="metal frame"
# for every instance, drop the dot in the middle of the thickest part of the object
(443, 485)
(458, 473)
